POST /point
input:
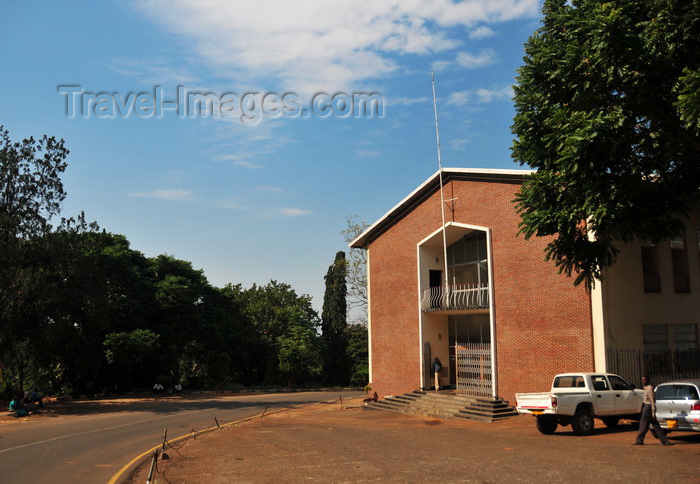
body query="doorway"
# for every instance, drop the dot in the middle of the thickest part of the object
(435, 278)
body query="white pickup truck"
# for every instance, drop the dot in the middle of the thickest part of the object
(578, 398)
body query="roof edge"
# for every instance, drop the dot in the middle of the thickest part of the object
(361, 240)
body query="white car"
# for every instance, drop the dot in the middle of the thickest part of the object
(678, 405)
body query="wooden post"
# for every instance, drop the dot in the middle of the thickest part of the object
(153, 465)
(162, 449)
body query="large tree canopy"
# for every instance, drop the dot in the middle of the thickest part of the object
(31, 193)
(608, 113)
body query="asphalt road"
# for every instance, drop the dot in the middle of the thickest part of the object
(91, 448)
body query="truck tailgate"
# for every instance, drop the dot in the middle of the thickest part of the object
(529, 402)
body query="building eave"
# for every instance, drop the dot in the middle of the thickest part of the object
(427, 188)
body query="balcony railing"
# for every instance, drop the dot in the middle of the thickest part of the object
(457, 296)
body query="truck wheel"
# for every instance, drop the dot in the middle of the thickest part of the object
(610, 421)
(582, 422)
(546, 425)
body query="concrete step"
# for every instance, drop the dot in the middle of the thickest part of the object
(446, 405)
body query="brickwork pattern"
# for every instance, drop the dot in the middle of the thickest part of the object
(543, 323)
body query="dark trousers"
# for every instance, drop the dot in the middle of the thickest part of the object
(644, 422)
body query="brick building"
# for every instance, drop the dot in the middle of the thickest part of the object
(504, 320)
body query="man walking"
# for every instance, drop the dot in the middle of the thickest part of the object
(649, 415)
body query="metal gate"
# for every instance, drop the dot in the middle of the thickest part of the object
(474, 375)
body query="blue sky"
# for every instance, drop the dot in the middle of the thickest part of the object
(250, 202)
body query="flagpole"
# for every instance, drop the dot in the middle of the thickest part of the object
(442, 195)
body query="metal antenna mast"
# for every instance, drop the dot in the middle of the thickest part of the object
(442, 195)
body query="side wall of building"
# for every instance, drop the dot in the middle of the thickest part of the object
(628, 308)
(543, 323)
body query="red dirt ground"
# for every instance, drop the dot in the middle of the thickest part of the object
(327, 443)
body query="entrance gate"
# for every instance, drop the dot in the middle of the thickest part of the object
(473, 367)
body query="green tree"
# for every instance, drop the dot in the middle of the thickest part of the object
(358, 354)
(96, 285)
(184, 301)
(334, 322)
(273, 310)
(218, 369)
(133, 350)
(299, 351)
(239, 337)
(608, 112)
(31, 193)
(31, 190)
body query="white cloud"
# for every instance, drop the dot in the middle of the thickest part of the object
(313, 45)
(459, 98)
(153, 71)
(481, 33)
(480, 96)
(497, 94)
(247, 164)
(228, 157)
(174, 195)
(407, 101)
(473, 61)
(367, 153)
(458, 144)
(232, 203)
(441, 65)
(293, 212)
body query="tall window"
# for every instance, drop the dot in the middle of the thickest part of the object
(659, 337)
(679, 256)
(685, 336)
(469, 328)
(655, 337)
(467, 260)
(650, 266)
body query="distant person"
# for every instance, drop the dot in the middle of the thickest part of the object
(35, 398)
(437, 368)
(178, 389)
(649, 415)
(17, 406)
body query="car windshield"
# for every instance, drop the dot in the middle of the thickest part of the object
(676, 392)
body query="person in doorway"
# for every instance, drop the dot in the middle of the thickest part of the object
(437, 368)
(649, 415)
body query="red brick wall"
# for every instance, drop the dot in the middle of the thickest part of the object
(543, 322)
